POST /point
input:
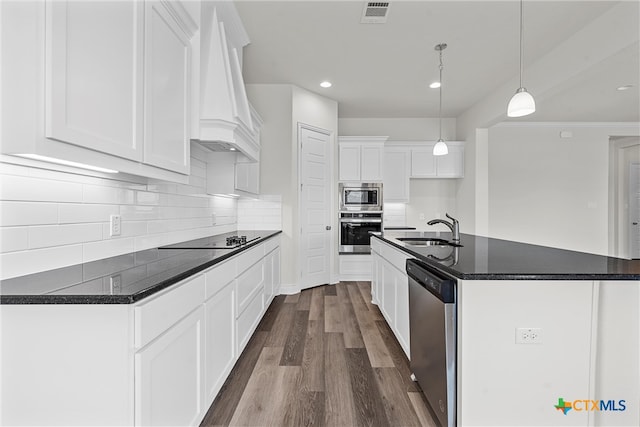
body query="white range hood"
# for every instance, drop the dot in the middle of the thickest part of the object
(226, 119)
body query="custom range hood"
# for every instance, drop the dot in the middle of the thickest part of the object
(226, 120)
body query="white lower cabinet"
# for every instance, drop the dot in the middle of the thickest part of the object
(160, 361)
(220, 348)
(169, 375)
(390, 289)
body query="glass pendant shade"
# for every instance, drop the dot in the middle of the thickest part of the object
(521, 104)
(440, 149)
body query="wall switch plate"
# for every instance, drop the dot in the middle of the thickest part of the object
(528, 335)
(115, 225)
(213, 218)
(115, 284)
(421, 217)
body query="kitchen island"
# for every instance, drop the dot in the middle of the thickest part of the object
(583, 307)
(139, 339)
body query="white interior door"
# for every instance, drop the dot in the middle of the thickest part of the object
(315, 207)
(634, 210)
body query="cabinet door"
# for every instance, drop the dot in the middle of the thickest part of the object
(451, 165)
(167, 84)
(388, 307)
(268, 278)
(220, 343)
(371, 166)
(94, 75)
(248, 177)
(168, 375)
(396, 175)
(349, 162)
(423, 163)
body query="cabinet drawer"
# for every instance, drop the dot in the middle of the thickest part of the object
(219, 276)
(271, 244)
(156, 316)
(395, 257)
(248, 283)
(247, 258)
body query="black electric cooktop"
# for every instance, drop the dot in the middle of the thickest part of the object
(223, 241)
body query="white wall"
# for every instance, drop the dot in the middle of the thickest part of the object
(432, 197)
(54, 217)
(548, 190)
(282, 107)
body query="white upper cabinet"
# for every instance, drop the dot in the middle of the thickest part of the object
(167, 88)
(397, 162)
(104, 83)
(94, 75)
(361, 158)
(425, 165)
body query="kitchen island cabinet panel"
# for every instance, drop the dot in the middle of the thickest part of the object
(170, 375)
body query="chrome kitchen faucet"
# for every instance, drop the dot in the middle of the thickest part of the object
(454, 226)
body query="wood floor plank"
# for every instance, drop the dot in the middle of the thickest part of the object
(420, 406)
(292, 299)
(332, 317)
(365, 291)
(368, 403)
(316, 311)
(400, 360)
(304, 302)
(330, 290)
(376, 348)
(339, 407)
(225, 403)
(281, 326)
(397, 406)
(258, 406)
(294, 346)
(272, 313)
(309, 410)
(313, 357)
(350, 327)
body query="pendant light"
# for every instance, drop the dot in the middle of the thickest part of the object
(440, 149)
(522, 103)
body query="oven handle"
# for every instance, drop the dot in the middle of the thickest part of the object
(357, 221)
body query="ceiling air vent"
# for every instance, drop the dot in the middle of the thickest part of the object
(375, 13)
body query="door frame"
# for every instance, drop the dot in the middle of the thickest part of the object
(331, 220)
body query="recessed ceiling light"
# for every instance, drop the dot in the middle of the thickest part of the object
(625, 87)
(325, 84)
(434, 85)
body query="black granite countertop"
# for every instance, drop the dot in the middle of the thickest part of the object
(122, 279)
(482, 258)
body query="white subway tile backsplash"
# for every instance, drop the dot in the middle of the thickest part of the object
(69, 213)
(27, 188)
(14, 239)
(106, 248)
(14, 264)
(27, 213)
(56, 218)
(58, 235)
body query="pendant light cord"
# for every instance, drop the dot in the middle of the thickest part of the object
(440, 105)
(521, 42)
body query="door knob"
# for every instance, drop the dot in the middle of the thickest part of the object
(634, 223)
(328, 227)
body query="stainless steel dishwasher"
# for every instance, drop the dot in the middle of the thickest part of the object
(432, 322)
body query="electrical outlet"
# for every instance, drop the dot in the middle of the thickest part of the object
(115, 225)
(528, 335)
(421, 217)
(213, 218)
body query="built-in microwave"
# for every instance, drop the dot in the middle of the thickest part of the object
(360, 197)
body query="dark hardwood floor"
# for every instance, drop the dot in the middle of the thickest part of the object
(323, 357)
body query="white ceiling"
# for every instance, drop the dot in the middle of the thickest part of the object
(383, 70)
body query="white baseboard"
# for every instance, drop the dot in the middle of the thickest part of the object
(355, 277)
(288, 289)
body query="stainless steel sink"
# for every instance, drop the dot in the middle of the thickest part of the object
(426, 241)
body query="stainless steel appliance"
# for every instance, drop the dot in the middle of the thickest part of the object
(432, 323)
(354, 231)
(360, 196)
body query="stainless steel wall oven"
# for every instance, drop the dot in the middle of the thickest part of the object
(354, 231)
